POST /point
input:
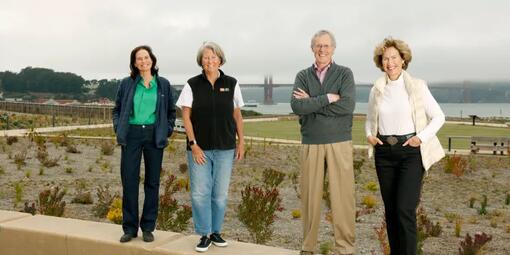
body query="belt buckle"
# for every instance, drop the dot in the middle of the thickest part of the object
(392, 140)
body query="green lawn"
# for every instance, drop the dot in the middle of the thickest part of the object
(289, 129)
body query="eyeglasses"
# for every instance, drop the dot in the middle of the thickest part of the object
(324, 46)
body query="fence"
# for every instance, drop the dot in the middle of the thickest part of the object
(76, 111)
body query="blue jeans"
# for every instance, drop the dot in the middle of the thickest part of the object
(209, 189)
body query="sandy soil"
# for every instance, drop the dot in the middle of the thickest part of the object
(443, 194)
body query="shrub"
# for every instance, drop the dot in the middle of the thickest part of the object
(107, 148)
(183, 183)
(382, 237)
(19, 159)
(455, 164)
(451, 217)
(296, 214)
(325, 247)
(11, 139)
(425, 228)
(71, 148)
(115, 212)
(371, 186)
(468, 246)
(357, 164)
(257, 211)
(183, 167)
(51, 203)
(60, 140)
(272, 178)
(104, 201)
(69, 170)
(172, 215)
(369, 201)
(29, 208)
(507, 199)
(82, 196)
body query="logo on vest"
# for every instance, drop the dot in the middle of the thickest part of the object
(224, 89)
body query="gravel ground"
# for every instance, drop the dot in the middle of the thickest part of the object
(443, 194)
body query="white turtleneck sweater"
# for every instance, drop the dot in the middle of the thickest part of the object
(395, 113)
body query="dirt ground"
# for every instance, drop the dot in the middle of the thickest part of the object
(443, 193)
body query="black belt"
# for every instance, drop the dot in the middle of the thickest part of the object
(394, 139)
(143, 126)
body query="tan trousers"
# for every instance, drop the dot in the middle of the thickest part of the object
(337, 160)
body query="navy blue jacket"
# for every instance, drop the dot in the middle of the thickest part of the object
(165, 111)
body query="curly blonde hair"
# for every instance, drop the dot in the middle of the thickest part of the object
(402, 48)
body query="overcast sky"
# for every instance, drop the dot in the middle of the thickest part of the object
(451, 40)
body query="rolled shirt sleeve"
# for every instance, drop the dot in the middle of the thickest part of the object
(185, 98)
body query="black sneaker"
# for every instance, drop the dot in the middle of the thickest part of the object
(217, 240)
(204, 244)
(147, 236)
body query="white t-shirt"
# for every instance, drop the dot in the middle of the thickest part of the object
(186, 97)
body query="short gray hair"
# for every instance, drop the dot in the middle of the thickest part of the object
(321, 33)
(216, 49)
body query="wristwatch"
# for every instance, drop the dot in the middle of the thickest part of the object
(192, 142)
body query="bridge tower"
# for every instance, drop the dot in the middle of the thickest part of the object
(268, 89)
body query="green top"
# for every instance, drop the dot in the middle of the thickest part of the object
(144, 103)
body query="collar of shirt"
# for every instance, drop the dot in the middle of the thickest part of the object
(321, 73)
(398, 81)
(152, 83)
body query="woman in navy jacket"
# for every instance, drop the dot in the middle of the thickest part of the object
(143, 119)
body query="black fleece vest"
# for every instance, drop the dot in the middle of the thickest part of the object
(212, 113)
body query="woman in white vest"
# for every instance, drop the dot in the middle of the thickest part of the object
(402, 121)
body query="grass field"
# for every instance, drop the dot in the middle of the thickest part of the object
(289, 129)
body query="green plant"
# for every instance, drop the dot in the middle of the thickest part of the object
(483, 206)
(472, 163)
(18, 189)
(508, 228)
(41, 170)
(468, 246)
(69, 170)
(107, 148)
(371, 186)
(369, 201)
(2, 171)
(507, 199)
(325, 247)
(272, 178)
(104, 201)
(472, 202)
(357, 164)
(257, 211)
(172, 215)
(458, 226)
(28, 173)
(51, 201)
(326, 196)
(19, 159)
(451, 217)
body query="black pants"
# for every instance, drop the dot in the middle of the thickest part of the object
(400, 173)
(140, 140)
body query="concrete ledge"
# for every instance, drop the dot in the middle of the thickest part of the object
(186, 246)
(9, 215)
(24, 234)
(53, 235)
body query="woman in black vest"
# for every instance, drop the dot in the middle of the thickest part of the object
(211, 111)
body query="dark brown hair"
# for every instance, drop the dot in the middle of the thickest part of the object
(134, 71)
